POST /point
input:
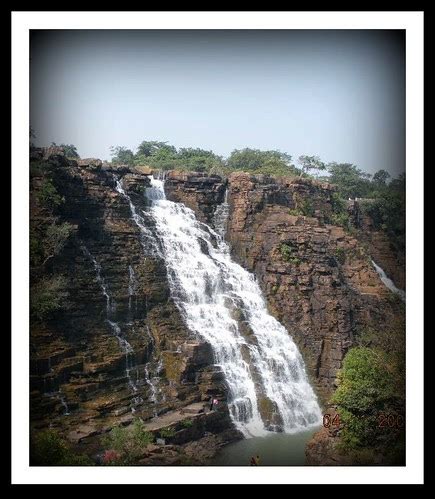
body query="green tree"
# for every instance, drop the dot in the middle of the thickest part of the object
(69, 150)
(151, 147)
(129, 442)
(47, 448)
(48, 296)
(48, 195)
(310, 163)
(380, 178)
(388, 211)
(122, 156)
(350, 180)
(257, 161)
(368, 387)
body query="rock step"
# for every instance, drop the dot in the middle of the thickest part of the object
(172, 417)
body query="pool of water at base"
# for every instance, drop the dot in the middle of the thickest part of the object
(276, 449)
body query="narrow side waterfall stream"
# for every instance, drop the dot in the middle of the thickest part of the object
(388, 282)
(222, 303)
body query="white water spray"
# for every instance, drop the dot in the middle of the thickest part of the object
(208, 287)
(388, 282)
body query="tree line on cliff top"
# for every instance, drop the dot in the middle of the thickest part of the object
(386, 195)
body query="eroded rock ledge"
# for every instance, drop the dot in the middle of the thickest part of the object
(79, 363)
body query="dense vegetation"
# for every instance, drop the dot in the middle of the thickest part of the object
(371, 398)
(381, 197)
(48, 236)
(48, 448)
(125, 445)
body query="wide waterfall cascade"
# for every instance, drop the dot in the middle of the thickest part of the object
(210, 289)
(388, 282)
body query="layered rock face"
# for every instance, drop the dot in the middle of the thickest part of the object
(378, 245)
(120, 348)
(198, 191)
(318, 279)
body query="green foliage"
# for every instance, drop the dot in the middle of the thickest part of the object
(36, 248)
(288, 253)
(49, 243)
(368, 387)
(149, 148)
(310, 163)
(186, 423)
(388, 210)
(129, 442)
(340, 255)
(349, 179)
(167, 432)
(339, 215)
(48, 296)
(380, 178)
(270, 162)
(47, 448)
(69, 150)
(307, 208)
(340, 219)
(39, 168)
(122, 156)
(55, 239)
(295, 211)
(48, 195)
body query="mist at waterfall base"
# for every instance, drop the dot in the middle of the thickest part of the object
(261, 365)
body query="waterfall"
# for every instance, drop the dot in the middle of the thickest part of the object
(132, 288)
(124, 345)
(261, 364)
(100, 279)
(388, 282)
(221, 216)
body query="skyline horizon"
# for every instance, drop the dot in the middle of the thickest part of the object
(339, 95)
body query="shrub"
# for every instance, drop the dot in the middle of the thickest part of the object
(288, 253)
(295, 212)
(368, 386)
(47, 448)
(307, 208)
(341, 219)
(55, 238)
(167, 432)
(48, 195)
(340, 255)
(187, 423)
(45, 245)
(48, 296)
(129, 442)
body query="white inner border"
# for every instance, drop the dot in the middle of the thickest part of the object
(22, 22)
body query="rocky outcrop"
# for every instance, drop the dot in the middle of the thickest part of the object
(378, 244)
(198, 191)
(318, 279)
(119, 349)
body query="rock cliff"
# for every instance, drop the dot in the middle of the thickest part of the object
(317, 277)
(119, 350)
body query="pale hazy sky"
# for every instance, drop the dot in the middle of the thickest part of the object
(336, 94)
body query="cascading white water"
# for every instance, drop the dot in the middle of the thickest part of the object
(132, 288)
(221, 216)
(124, 345)
(388, 282)
(208, 286)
